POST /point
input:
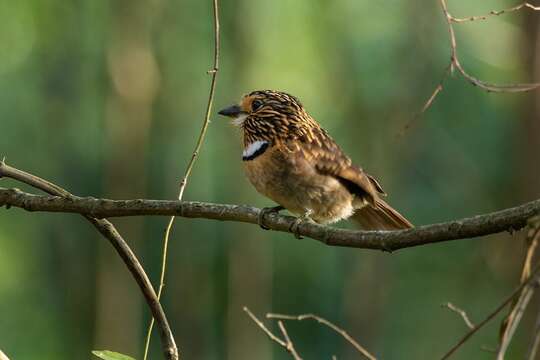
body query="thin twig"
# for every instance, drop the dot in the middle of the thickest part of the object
(510, 323)
(461, 312)
(533, 238)
(290, 345)
(206, 122)
(497, 310)
(265, 329)
(428, 103)
(496, 13)
(533, 350)
(510, 219)
(331, 325)
(189, 167)
(108, 231)
(436, 92)
(515, 317)
(488, 349)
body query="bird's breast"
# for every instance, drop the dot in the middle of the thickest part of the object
(287, 178)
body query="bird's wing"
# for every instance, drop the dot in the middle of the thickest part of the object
(318, 148)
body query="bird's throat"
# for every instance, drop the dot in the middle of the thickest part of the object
(254, 149)
(239, 120)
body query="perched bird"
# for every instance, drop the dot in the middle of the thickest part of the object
(289, 158)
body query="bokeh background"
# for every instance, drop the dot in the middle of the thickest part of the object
(106, 98)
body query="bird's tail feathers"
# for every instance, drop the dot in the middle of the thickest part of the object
(381, 216)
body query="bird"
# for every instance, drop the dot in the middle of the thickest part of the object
(289, 158)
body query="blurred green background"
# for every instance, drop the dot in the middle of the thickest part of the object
(106, 98)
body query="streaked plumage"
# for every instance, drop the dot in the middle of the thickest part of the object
(289, 158)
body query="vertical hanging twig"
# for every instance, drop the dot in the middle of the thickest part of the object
(183, 183)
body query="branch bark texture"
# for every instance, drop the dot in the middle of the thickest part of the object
(510, 219)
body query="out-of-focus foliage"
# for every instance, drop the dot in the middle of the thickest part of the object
(106, 99)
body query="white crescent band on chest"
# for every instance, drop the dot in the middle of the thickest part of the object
(254, 149)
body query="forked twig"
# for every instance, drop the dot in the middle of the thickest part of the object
(331, 325)
(290, 345)
(455, 63)
(283, 343)
(264, 328)
(108, 230)
(189, 167)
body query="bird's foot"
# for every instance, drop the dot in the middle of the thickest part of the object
(265, 211)
(295, 226)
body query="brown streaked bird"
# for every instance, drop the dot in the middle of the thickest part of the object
(290, 159)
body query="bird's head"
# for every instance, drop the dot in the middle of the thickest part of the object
(269, 115)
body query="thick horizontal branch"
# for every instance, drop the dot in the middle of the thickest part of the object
(505, 220)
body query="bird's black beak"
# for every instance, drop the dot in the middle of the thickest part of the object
(231, 111)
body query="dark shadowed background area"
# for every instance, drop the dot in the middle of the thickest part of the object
(106, 98)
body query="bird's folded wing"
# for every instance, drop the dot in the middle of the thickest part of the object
(327, 157)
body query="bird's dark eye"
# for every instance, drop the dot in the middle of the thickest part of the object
(256, 105)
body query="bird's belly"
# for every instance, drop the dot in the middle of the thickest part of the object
(299, 188)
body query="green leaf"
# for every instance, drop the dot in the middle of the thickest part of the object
(111, 355)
